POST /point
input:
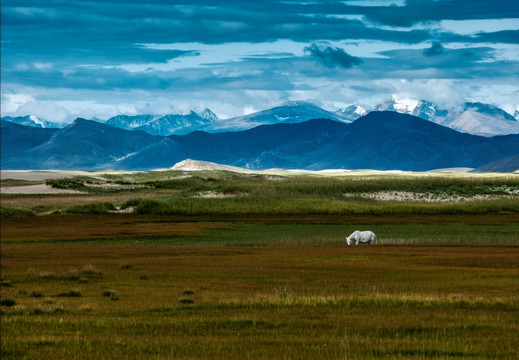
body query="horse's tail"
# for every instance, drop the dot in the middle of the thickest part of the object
(374, 239)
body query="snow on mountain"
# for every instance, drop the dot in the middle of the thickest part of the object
(471, 117)
(397, 141)
(30, 120)
(176, 124)
(288, 112)
(352, 112)
(427, 110)
(164, 125)
(37, 121)
(480, 123)
(475, 118)
(478, 119)
(421, 108)
(399, 105)
(209, 115)
(490, 110)
(131, 122)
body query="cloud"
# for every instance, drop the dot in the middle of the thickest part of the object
(424, 11)
(504, 36)
(467, 62)
(435, 50)
(332, 57)
(47, 110)
(117, 53)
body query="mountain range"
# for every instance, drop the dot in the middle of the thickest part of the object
(30, 120)
(381, 140)
(164, 125)
(471, 117)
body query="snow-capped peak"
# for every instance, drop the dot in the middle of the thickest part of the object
(36, 120)
(352, 112)
(401, 105)
(429, 111)
(30, 120)
(353, 109)
(209, 115)
(360, 110)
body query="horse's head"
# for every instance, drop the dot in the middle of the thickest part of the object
(348, 240)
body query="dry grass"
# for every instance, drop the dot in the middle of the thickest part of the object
(305, 302)
(101, 227)
(85, 286)
(244, 273)
(45, 203)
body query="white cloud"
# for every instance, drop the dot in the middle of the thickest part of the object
(470, 27)
(446, 93)
(47, 110)
(12, 101)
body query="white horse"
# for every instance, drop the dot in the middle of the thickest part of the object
(361, 237)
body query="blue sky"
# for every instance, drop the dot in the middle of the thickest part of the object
(62, 59)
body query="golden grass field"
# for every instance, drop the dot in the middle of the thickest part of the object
(260, 302)
(256, 285)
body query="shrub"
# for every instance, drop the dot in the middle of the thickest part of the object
(7, 302)
(94, 208)
(7, 283)
(36, 294)
(112, 294)
(67, 183)
(187, 301)
(48, 308)
(71, 293)
(6, 212)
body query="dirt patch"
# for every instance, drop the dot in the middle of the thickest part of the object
(32, 175)
(36, 189)
(424, 197)
(214, 195)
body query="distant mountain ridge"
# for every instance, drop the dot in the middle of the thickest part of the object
(30, 120)
(163, 125)
(379, 140)
(471, 117)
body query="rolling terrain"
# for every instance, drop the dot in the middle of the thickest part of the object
(379, 140)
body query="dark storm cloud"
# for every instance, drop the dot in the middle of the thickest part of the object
(332, 56)
(112, 55)
(82, 22)
(422, 11)
(434, 50)
(504, 36)
(465, 63)
(100, 45)
(107, 31)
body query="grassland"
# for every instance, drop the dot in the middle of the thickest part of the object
(219, 265)
(274, 302)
